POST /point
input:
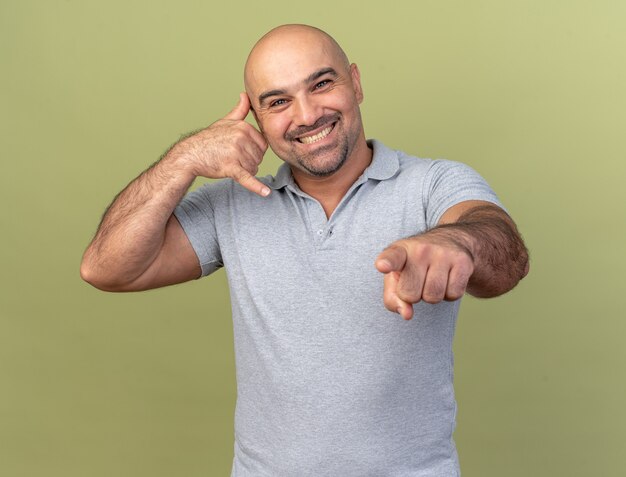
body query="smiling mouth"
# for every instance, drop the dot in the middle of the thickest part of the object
(317, 137)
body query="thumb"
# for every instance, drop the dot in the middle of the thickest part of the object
(391, 259)
(240, 111)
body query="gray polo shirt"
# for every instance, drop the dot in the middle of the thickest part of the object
(330, 383)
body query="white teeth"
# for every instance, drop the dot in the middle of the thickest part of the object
(320, 135)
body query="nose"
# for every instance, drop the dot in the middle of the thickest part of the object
(306, 111)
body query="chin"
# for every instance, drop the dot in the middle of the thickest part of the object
(319, 170)
(312, 165)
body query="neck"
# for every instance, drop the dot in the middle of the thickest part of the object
(329, 191)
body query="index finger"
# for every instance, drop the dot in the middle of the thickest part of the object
(391, 299)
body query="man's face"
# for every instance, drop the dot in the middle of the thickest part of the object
(306, 102)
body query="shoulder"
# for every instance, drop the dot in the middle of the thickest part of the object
(225, 197)
(223, 191)
(435, 169)
(413, 167)
(427, 167)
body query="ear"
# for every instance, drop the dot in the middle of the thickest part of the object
(254, 114)
(355, 74)
(256, 118)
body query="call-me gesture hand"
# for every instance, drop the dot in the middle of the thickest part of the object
(229, 147)
(423, 268)
(140, 244)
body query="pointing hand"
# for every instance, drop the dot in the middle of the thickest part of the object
(423, 268)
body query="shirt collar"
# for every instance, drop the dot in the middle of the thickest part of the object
(384, 166)
(384, 163)
(282, 178)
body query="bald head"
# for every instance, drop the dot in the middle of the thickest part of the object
(305, 97)
(285, 48)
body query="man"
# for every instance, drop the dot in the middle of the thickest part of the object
(319, 259)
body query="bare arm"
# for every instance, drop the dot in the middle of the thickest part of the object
(139, 243)
(491, 237)
(475, 248)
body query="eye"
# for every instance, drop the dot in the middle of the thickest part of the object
(322, 83)
(278, 102)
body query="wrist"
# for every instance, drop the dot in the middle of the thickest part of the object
(455, 235)
(181, 160)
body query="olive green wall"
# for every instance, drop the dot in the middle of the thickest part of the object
(530, 93)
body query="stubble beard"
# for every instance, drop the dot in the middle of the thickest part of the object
(310, 163)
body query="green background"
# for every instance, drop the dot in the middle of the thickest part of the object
(530, 93)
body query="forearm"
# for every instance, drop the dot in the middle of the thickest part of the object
(498, 252)
(132, 230)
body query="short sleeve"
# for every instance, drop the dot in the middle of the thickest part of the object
(196, 215)
(447, 183)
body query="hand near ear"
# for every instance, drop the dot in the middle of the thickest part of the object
(229, 147)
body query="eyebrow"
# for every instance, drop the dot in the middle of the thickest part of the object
(312, 77)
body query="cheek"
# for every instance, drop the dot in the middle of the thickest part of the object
(274, 127)
(347, 103)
